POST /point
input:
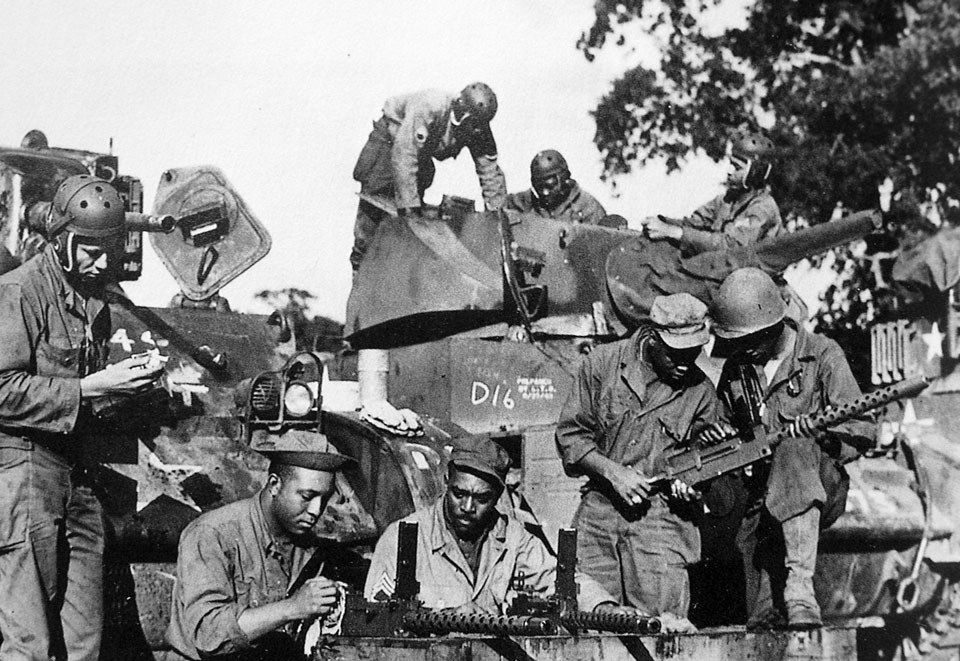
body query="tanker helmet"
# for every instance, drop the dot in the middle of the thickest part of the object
(35, 139)
(748, 301)
(757, 150)
(88, 207)
(546, 164)
(478, 102)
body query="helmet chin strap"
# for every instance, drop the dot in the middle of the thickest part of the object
(68, 249)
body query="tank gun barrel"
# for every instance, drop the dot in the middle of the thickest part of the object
(145, 222)
(776, 254)
(779, 252)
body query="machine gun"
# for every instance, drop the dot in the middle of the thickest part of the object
(402, 611)
(696, 465)
(561, 607)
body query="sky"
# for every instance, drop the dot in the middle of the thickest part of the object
(282, 100)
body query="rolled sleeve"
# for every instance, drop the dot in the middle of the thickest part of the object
(205, 612)
(577, 428)
(41, 403)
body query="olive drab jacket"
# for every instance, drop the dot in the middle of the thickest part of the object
(729, 220)
(50, 337)
(814, 376)
(509, 554)
(418, 130)
(578, 207)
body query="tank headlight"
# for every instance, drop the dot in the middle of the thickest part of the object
(265, 394)
(298, 400)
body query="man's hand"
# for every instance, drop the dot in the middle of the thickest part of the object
(715, 433)
(656, 229)
(683, 491)
(611, 608)
(129, 376)
(802, 426)
(629, 483)
(316, 597)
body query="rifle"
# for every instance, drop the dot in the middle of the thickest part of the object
(402, 612)
(562, 608)
(696, 465)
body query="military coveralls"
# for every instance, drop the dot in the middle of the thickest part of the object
(397, 161)
(578, 207)
(736, 218)
(228, 562)
(779, 534)
(620, 408)
(508, 554)
(51, 522)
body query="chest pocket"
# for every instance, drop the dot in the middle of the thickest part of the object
(58, 358)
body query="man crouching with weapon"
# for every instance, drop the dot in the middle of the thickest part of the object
(780, 376)
(470, 559)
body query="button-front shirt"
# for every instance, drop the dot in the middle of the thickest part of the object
(622, 409)
(50, 337)
(227, 562)
(508, 555)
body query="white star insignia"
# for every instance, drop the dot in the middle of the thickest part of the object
(934, 342)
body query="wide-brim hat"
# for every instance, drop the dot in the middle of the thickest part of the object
(298, 447)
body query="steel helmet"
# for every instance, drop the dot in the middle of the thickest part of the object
(479, 101)
(88, 207)
(748, 301)
(548, 163)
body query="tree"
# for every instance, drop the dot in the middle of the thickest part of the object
(313, 333)
(851, 93)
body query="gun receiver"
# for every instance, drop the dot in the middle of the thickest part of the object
(562, 607)
(403, 613)
(696, 465)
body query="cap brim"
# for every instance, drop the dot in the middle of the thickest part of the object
(318, 461)
(685, 340)
(472, 466)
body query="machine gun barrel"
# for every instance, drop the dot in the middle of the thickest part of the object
(612, 622)
(696, 465)
(425, 622)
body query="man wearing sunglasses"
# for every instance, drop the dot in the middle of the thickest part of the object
(397, 163)
(633, 401)
(744, 214)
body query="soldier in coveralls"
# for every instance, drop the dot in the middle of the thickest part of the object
(555, 194)
(744, 214)
(778, 375)
(54, 327)
(634, 400)
(397, 161)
